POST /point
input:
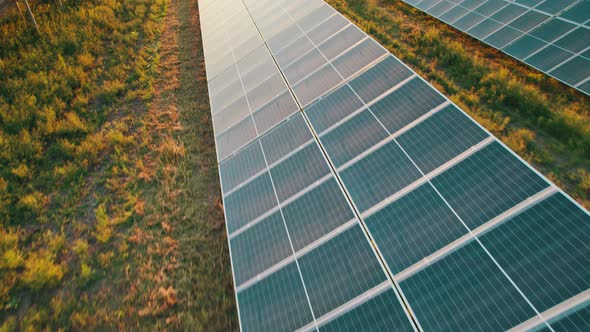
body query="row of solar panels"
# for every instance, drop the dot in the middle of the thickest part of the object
(381, 205)
(552, 36)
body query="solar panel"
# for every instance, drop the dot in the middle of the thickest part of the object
(357, 197)
(551, 35)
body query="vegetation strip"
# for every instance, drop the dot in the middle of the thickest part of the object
(110, 211)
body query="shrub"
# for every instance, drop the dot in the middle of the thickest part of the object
(103, 228)
(41, 271)
(34, 202)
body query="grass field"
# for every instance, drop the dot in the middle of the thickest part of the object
(109, 197)
(110, 209)
(545, 122)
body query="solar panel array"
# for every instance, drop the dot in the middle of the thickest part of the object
(357, 197)
(552, 36)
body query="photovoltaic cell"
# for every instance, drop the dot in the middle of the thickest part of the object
(465, 291)
(379, 79)
(341, 41)
(315, 214)
(353, 137)
(526, 247)
(406, 104)
(249, 202)
(380, 313)
(578, 320)
(285, 138)
(259, 248)
(413, 227)
(327, 28)
(316, 85)
(379, 175)
(336, 106)
(358, 57)
(277, 303)
(235, 137)
(299, 171)
(486, 184)
(573, 71)
(278, 109)
(340, 270)
(440, 138)
(242, 166)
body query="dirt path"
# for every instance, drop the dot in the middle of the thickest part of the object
(185, 278)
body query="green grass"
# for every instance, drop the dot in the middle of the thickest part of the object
(108, 179)
(545, 122)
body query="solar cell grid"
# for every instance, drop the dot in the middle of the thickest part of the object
(315, 214)
(465, 290)
(456, 217)
(353, 137)
(340, 270)
(259, 248)
(545, 34)
(380, 313)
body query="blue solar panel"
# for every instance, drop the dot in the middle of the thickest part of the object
(357, 197)
(551, 32)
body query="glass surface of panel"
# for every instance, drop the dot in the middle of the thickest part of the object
(275, 111)
(242, 166)
(413, 227)
(576, 41)
(554, 6)
(454, 14)
(379, 175)
(285, 138)
(548, 57)
(508, 13)
(490, 7)
(304, 66)
(299, 171)
(316, 213)
(440, 7)
(358, 57)
(578, 320)
(465, 291)
(484, 28)
(381, 77)
(381, 313)
(524, 47)
(276, 303)
(341, 41)
(502, 37)
(573, 71)
(293, 51)
(259, 248)
(579, 13)
(316, 85)
(235, 137)
(487, 183)
(332, 108)
(327, 28)
(440, 138)
(249, 202)
(528, 21)
(406, 104)
(545, 250)
(552, 30)
(340, 270)
(353, 137)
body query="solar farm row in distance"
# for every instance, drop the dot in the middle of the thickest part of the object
(465, 234)
(552, 36)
